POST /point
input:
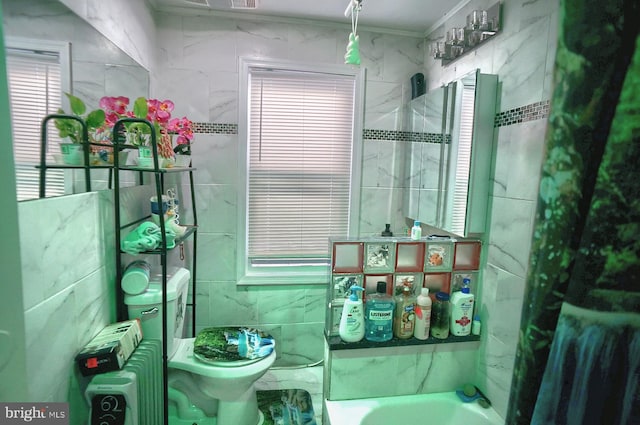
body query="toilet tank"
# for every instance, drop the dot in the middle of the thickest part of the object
(147, 307)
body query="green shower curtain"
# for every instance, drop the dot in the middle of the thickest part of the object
(578, 358)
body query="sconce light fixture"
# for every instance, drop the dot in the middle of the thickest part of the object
(481, 25)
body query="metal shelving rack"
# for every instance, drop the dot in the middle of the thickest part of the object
(191, 232)
(43, 166)
(114, 172)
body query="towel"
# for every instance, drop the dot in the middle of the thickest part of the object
(146, 237)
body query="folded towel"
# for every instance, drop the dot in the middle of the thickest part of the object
(147, 236)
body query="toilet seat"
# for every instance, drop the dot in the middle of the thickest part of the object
(185, 359)
(225, 363)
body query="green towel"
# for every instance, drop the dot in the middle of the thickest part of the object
(146, 237)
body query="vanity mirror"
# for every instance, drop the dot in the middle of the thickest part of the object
(449, 162)
(89, 66)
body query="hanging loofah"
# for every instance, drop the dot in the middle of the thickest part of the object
(352, 57)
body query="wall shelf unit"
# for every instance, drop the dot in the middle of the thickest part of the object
(335, 343)
(158, 175)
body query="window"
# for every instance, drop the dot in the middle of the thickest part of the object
(301, 132)
(37, 72)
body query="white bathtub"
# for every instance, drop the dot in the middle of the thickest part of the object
(423, 409)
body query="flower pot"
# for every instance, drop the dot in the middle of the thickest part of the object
(145, 157)
(72, 153)
(182, 160)
(106, 158)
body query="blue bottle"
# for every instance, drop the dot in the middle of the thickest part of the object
(378, 315)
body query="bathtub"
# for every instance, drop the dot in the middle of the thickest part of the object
(423, 409)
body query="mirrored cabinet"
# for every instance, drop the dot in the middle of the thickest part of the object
(449, 163)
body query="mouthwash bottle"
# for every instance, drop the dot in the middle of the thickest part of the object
(378, 316)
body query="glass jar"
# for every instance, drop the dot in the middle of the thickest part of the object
(440, 316)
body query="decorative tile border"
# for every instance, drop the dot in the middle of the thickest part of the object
(214, 128)
(404, 136)
(531, 112)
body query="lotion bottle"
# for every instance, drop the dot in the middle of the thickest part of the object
(404, 319)
(352, 320)
(462, 310)
(423, 315)
(416, 231)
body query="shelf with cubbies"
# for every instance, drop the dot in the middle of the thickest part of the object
(437, 263)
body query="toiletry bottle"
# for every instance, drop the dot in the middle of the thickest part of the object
(405, 318)
(476, 325)
(462, 310)
(416, 231)
(440, 316)
(352, 320)
(378, 315)
(423, 315)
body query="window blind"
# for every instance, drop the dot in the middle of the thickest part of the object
(463, 163)
(35, 90)
(299, 153)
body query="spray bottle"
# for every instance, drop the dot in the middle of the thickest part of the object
(352, 319)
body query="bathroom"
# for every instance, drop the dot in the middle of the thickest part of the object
(187, 53)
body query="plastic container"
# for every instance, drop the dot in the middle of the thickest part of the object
(404, 319)
(352, 320)
(440, 316)
(378, 315)
(416, 231)
(476, 325)
(462, 310)
(387, 231)
(423, 315)
(135, 279)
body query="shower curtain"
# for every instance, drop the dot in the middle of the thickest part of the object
(578, 357)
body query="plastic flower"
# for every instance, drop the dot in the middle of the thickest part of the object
(158, 113)
(114, 108)
(183, 127)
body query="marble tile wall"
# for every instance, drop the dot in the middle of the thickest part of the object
(522, 56)
(198, 70)
(389, 371)
(68, 265)
(128, 24)
(66, 297)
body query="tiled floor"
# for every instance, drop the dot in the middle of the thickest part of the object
(308, 379)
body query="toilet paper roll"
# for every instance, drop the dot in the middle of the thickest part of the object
(135, 279)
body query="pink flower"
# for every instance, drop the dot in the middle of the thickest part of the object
(183, 127)
(157, 112)
(114, 108)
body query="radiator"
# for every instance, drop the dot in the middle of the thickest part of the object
(132, 395)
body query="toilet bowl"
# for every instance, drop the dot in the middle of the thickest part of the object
(221, 389)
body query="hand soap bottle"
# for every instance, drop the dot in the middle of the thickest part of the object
(462, 310)
(378, 315)
(352, 320)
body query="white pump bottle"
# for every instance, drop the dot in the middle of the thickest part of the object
(352, 320)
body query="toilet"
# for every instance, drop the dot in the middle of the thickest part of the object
(200, 389)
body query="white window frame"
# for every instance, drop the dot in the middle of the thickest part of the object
(281, 274)
(63, 49)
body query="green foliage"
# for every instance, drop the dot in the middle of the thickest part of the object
(72, 128)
